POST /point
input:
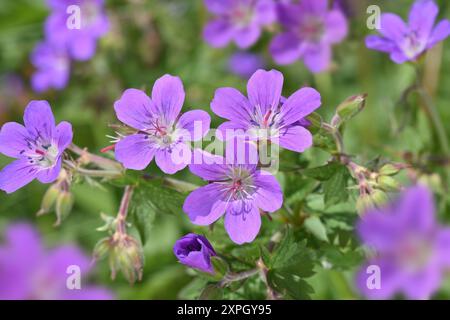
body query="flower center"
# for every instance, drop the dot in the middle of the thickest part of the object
(238, 185)
(312, 29)
(43, 154)
(414, 253)
(241, 16)
(89, 14)
(412, 45)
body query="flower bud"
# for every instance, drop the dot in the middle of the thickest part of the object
(388, 183)
(389, 170)
(102, 248)
(349, 108)
(363, 204)
(379, 198)
(49, 199)
(195, 251)
(127, 256)
(64, 204)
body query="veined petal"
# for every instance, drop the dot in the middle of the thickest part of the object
(336, 26)
(300, 104)
(168, 97)
(135, 151)
(247, 36)
(134, 109)
(63, 135)
(378, 43)
(285, 48)
(392, 26)
(196, 122)
(204, 205)
(318, 57)
(174, 159)
(39, 120)
(13, 139)
(208, 167)
(218, 33)
(230, 104)
(50, 174)
(264, 89)
(422, 17)
(242, 221)
(440, 33)
(268, 196)
(295, 138)
(16, 175)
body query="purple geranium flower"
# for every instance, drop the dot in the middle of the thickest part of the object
(238, 190)
(195, 251)
(310, 31)
(406, 42)
(244, 64)
(237, 20)
(265, 113)
(28, 271)
(412, 249)
(53, 67)
(80, 43)
(161, 132)
(38, 147)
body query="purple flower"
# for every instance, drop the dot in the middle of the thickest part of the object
(406, 42)
(160, 131)
(37, 146)
(412, 249)
(310, 31)
(264, 113)
(53, 67)
(195, 251)
(237, 190)
(237, 20)
(244, 64)
(28, 271)
(79, 43)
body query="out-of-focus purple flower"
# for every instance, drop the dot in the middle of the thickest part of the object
(53, 67)
(79, 43)
(406, 42)
(160, 131)
(38, 147)
(244, 64)
(195, 251)
(240, 21)
(237, 190)
(310, 30)
(265, 115)
(28, 271)
(412, 250)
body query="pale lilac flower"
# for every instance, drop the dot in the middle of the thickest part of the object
(406, 42)
(160, 130)
(235, 189)
(53, 67)
(244, 64)
(38, 147)
(195, 251)
(412, 249)
(240, 21)
(30, 272)
(310, 30)
(79, 43)
(265, 114)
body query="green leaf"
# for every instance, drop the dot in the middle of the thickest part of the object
(322, 173)
(335, 189)
(314, 225)
(220, 266)
(211, 292)
(290, 285)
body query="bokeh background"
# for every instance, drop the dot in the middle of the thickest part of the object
(149, 38)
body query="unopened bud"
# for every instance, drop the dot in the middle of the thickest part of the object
(49, 199)
(379, 198)
(315, 119)
(64, 204)
(389, 170)
(349, 108)
(102, 248)
(126, 256)
(388, 183)
(363, 204)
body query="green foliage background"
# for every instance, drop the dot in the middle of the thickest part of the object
(149, 38)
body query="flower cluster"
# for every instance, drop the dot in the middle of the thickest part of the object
(310, 28)
(71, 32)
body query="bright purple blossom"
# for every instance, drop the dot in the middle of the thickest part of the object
(195, 251)
(310, 30)
(160, 130)
(53, 67)
(237, 190)
(244, 64)
(265, 114)
(79, 43)
(29, 271)
(406, 42)
(240, 21)
(38, 147)
(412, 249)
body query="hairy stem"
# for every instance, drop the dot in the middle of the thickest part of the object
(232, 277)
(123, 210)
